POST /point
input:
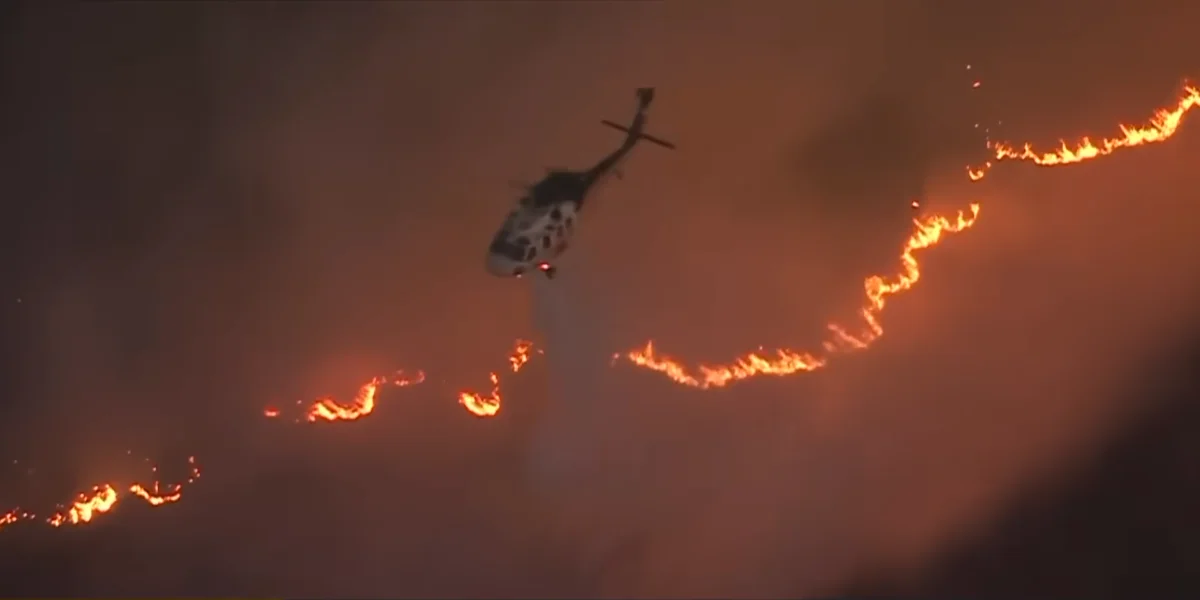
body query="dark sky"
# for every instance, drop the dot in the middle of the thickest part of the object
(214, 206)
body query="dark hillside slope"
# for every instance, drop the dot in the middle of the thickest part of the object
(1127, 525)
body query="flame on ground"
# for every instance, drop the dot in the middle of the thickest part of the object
(103, 498)
(154, 496)
(785, 362)
(929, 232)
(328, 409)
(1162, 126)
(480, 405)
(487, 406)
(520, 355)
(363, 404)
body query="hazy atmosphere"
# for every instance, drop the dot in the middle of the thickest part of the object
(215, 207)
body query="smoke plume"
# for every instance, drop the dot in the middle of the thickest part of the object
(225, 205)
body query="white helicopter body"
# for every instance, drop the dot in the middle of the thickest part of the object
(540, 228)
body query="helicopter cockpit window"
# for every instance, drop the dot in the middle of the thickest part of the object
(552, 185)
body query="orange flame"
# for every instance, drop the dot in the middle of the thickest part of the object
(363, 404)
(929, 233)
(155, 497)
(520, 355)
(480, 405)
(785, 362)
(1163, 125)
(13, 516)
(102, 499)
(487, 406)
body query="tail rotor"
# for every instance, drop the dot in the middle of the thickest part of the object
(645, 96)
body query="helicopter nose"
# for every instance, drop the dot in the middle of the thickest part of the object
(500, 266)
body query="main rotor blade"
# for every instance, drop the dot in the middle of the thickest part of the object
(643, 136)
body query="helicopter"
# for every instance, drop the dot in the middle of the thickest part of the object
(539, 229)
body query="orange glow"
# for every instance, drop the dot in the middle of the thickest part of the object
(363, 404)
(487, 406)
(520, 355)
(785, 362)
(928, 232)
(103, 498)
(156, 497)
(1162, 126)
(14, 516)
(480, 405)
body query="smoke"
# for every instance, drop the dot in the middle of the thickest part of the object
(278, 202)
(591, 459)
(577, 381)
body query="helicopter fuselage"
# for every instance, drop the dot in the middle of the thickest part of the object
(531, 237)
(542, 225)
